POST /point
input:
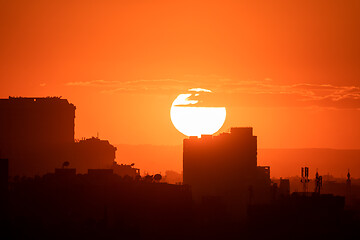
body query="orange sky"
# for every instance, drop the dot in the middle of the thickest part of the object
(290, 69)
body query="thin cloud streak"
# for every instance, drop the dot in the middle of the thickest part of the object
(325, 95)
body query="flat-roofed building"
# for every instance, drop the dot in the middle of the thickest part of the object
(226, 166)
(34, 133)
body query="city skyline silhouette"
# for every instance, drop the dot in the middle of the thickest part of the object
(179, 119)
(50, 180)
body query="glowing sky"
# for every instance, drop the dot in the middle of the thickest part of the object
(290, 69)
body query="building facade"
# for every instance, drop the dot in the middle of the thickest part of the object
(37, 135)
(225, 167)
(92, 153)
(34, 133)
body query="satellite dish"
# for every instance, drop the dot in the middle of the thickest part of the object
(65, 164)
(149, 178)
(157, 177)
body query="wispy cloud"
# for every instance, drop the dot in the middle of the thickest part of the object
(93, 83)
(302, 93)
(137, 86)
(266, 91)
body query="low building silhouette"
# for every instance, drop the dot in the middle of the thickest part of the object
(4, 187)
(65, 172)
(298, 216)
(37, 135)
(126, 170)
(284, 187)
(4, 175)
(97, 205)
(225, 166)
(92, 153)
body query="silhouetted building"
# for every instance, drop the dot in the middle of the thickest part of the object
(40, 121)
(284, 187)
(300, 216)
(4, 175)
(93, 153)
(4, 187)
(100, 172)
(37, 135)
(98, 205)
(225, 166)
(34, 132)
(65, 171)
(173, 177)
(126, 170)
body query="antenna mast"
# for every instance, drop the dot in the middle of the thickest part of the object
(318, 183)
(305, 178)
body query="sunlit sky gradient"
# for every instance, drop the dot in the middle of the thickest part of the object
(290, 69)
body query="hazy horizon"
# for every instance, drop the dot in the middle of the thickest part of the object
(283, 162)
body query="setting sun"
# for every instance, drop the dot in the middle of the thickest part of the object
(192, 120)
(180, 119)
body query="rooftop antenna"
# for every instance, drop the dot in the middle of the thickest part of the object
(318, 182)
(348, 181)
(305, 178)
(348, 188)
(97, 135)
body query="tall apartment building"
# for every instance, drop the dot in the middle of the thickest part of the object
(37, 135)
(225, 167)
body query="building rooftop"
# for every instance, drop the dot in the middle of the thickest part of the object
(24, 100)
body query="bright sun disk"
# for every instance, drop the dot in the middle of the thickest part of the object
(196, 121)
